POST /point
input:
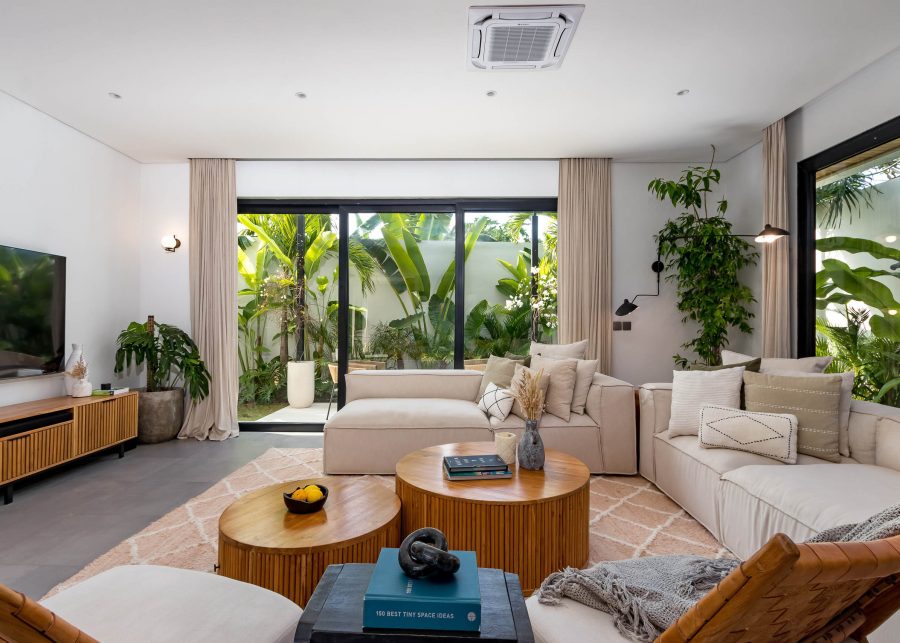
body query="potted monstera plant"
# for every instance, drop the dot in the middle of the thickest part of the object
(173, 366)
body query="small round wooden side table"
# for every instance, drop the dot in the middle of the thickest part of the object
(260, 542)
(531, 524)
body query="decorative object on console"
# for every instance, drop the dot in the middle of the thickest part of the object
(529, 394)
(505, 443)
(425, 552)
(814, 399)
(773, 435)
(496, 402)
(171, 357)
(692, 389)
(76, 378)
(73, 370)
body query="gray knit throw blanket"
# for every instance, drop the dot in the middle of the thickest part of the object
(647, 595)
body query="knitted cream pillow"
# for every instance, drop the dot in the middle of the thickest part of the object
(692, 389)
(773, 435)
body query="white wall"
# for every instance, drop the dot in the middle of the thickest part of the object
(65, 193)
(644, 354)
(641, 355)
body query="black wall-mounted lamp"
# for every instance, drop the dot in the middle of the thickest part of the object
(768, 234)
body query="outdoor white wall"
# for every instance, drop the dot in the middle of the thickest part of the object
(65, 193)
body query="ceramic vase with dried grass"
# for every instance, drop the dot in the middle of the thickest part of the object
(530, 397)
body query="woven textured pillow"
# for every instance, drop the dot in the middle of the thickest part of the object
(692, 389)
(496, 402)
(814, 399)
(773, 435)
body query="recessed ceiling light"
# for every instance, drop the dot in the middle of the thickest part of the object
(490, 93)
(891, 238)
(115, 96)
(683, 92)
(300, 95)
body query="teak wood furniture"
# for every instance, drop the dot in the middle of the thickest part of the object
(73, 427)
(531, 524)
(334, 613)
(260, 542)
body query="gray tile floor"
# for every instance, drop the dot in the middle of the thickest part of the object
(59, 524)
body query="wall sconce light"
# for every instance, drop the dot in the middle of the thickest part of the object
(768, 234)
(628, 307)
(170, 243)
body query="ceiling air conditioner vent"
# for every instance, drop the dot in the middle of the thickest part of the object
(521, 37)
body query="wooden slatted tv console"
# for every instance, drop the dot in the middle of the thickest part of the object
(72, 428)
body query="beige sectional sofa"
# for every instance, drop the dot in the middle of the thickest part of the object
(744, 499)
(391, 413)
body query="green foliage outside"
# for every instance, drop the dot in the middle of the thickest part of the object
(276, 294)
(867, 342)
(704, 260)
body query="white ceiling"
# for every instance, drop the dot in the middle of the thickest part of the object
(388, 78)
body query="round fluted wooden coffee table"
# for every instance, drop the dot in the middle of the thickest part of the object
(531, 524)
(260, 542)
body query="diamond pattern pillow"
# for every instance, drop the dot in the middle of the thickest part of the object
(496, 402)
(773, 435)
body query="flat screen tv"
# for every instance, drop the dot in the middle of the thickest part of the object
(32, 312)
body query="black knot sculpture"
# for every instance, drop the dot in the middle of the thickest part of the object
(424, 552)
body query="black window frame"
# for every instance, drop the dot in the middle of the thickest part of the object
(344, 207)
(806, 222)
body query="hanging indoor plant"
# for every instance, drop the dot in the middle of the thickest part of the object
(705, 258)
(172, 361)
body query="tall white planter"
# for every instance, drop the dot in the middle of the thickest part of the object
(77, 354)
(301, 384)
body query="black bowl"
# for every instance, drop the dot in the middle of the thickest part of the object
(301, 506)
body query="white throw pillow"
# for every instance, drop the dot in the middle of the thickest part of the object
(692, 389)
(575, 350)
(496, 402)
(773, 435)
(846, 396)
(778, 364)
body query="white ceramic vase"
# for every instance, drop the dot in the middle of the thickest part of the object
(76, 354)
(301, 384)
(81, 388)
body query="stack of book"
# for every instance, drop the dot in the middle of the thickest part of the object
(393, 601)
(103, 392)
(475, 467)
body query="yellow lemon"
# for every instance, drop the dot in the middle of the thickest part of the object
(313, 493)
(299, 494)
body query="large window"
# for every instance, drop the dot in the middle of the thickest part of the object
(851, 216)
(428, 285)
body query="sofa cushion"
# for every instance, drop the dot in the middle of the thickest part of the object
(773, 435)
(772, 364)
(499, 371)
(443, 383)
(560, 351)
(757, 502)
(570, 621)
(561, 377)
(169, 605)
(693, 389)
(401, 413)
(547, 421)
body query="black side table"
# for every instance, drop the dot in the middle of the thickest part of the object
(335, 610)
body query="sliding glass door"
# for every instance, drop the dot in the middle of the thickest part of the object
(428, 285)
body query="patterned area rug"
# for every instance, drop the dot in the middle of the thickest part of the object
(630, 517)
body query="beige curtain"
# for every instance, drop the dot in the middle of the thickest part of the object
(214, 296)
(776, 296)
(585, 266)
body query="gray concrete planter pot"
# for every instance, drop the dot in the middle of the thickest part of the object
(160, 415)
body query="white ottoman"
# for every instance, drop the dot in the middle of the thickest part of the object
(153, 604)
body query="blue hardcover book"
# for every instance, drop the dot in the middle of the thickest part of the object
(394, 601)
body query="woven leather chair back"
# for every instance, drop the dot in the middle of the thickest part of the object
(24, 621)
(788, 592)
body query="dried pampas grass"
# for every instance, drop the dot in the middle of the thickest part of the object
(79, 370)
(527, 392)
